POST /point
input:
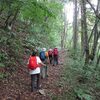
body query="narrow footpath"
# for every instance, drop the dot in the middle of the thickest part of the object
(18, 87)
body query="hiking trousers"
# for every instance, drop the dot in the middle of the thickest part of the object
(50, 58)
(35, 81)
(55, 62)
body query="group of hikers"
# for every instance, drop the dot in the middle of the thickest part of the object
(38, 65)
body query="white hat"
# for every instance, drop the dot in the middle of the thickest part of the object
(50, 49)
(44, 49)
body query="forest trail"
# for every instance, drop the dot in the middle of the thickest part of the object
(18, 87)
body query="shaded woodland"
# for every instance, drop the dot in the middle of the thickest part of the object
(71, 25)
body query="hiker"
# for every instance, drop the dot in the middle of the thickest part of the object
(34, 64)
(43, 59)
(50, 53)
(55, 56)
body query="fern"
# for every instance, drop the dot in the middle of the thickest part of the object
(82, 95)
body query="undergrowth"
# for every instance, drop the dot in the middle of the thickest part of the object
(79, 81)
(11, 52)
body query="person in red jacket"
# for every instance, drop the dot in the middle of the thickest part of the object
(55, 56)
(35, 73)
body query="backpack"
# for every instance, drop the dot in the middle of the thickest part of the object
(55, 51)
(32, 63)
(46, 54)
(42, 55)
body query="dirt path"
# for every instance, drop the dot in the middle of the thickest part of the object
(18, 86)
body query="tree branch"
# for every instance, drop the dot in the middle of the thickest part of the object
(96, 22)
(95, 11)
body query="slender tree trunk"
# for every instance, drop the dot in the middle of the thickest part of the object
(62, 40)
(75, 34)
(98, 55)
(95, 11)
(95, 33)
(64, 33)
(15, 16)
(82, 34)
(90, 37)
(84, 31)
(98, 61)
(95, 41)
(7, 20)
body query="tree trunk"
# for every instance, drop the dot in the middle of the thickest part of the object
(95, 41)
(75, 34)
(64, 33)
(84, 35)
(14, 17)
(95, 33)
(7, 20)
(98, 61)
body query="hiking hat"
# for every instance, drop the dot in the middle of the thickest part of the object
(50, 49)
(44, 49)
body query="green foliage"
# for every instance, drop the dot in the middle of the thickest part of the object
(2, 57)
(37, 24)
(11, 49)
(83, 81)
(1, 64)
(3, 75)
(44, 26)
(83, 94)
(35, 11)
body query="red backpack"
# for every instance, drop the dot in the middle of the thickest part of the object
(55, 51)
(32, 63)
